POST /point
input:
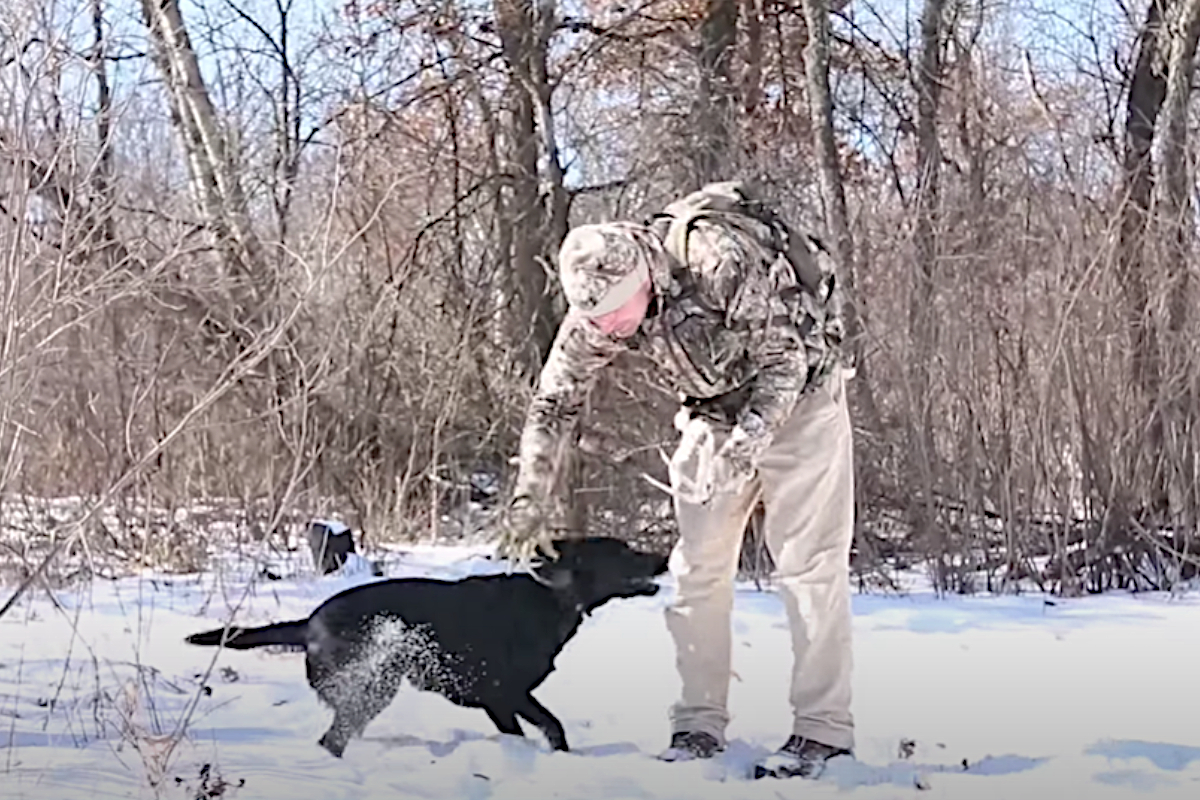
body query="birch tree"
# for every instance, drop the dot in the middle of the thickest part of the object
(216, 186)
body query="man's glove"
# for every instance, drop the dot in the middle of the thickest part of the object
(699, 473)
(524, 534)
(736, 460)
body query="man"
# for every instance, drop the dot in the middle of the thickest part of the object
(744, 318)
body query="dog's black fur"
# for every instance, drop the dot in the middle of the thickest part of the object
(482, 642)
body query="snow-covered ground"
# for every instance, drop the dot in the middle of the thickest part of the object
(972, 698)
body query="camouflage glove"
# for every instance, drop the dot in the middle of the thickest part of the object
(524, 535)
(737, 459)
(700, 471)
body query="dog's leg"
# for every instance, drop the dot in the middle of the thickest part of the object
(351, 715)
(539, 715)
(355, 702)
(337, 737)
(505, 721)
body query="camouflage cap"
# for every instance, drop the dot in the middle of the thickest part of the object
(603, 265)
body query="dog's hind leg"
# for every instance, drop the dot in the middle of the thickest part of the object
(505, 721)
(351, 715)
(539, 715)
(338, 736)
(355, 701)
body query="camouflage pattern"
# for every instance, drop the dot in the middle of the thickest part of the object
(738, 319)
(596, 259)
(578, 354)
(734, 333)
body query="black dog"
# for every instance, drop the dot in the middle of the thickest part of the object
(482, 642)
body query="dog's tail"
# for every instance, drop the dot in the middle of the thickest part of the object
(288, 634)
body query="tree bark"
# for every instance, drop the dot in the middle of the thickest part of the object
(1147, 90)
(287, 124)
(1173, 207)
(552, 187)
(534, 213)
(752, 79)
(923, 328)
(102, 175)
(1175, 485)
(929, 158)
(820, 104)
(715, 92)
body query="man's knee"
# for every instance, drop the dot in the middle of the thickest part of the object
(798, 560)
(699, 573)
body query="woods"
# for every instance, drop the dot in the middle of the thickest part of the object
(290, 257)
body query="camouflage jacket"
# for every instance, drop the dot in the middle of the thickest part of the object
(733, 333)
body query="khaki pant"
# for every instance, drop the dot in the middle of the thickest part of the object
(806, 483)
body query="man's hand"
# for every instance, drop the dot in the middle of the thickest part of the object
(698, 473)
(737, 458)
(524, 535)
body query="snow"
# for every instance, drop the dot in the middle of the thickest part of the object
(334, 526)
(1035, 696)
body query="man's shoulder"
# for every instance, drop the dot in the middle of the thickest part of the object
(729, 251)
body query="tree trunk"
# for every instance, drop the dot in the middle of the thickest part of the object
(1176, 485)
(1173, 206)
(833, 193)
(103, 172)
(923, 330)
(922, 326)
(715, 92)
(551, 183)
(287, 127)
(752, 79)
(535, 227)
(1147, 91)
(534, 215)
(820, 103)
(214, 182)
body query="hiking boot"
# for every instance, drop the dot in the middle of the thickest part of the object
(690, 745)
(798, 758)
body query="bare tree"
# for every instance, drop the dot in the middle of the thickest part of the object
(1155, 233)
(923, 327)
(421, 157)
(1175, 215)
(534, 216)
(833, 191)
(216, 187)
(1147, 89)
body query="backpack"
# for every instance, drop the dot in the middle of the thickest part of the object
(730, 203)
